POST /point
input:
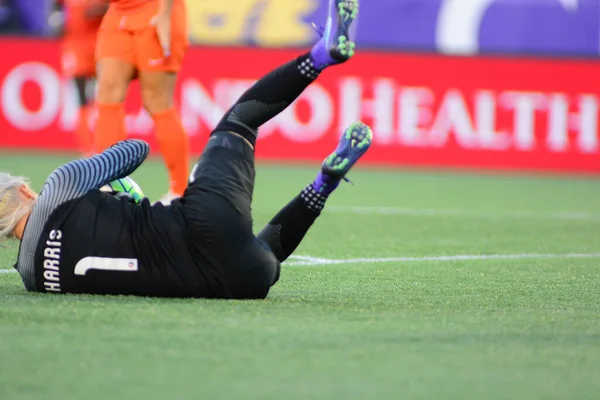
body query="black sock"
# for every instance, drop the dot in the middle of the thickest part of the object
(268, 97)
(287, 229)
(81, 85)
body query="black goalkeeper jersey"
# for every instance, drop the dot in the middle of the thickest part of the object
(80, 240)
(100, 245)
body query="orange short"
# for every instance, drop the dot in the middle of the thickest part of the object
(78, 57)
(128, 35)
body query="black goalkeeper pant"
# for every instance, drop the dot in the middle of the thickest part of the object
(218, 200)
(217, 204)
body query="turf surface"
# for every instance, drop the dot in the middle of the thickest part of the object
(476, 328)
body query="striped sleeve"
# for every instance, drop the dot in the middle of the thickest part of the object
(69, 182)
(78, 177)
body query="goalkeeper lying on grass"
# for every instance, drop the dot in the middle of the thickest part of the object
(77, 239)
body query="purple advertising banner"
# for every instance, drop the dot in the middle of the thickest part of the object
(564, 27)
(28, 17)
(560, 27)
(542, 27)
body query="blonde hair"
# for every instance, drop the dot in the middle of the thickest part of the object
(12, 206)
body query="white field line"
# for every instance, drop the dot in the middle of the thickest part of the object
(314, 261)
(294, 260)
(448, 212)
(8, 271)
(309, 258)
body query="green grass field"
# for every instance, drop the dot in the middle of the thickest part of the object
(396, 314)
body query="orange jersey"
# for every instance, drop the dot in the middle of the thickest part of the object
(128, 5)
(83, 17)
(128, 35)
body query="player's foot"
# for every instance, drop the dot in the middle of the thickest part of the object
(354, 143)
(167, 199)
(336, 45)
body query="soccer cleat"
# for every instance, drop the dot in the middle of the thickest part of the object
(336, 46)
(355, 142)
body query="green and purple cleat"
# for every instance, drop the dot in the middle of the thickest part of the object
(354, 143)
(336, 45)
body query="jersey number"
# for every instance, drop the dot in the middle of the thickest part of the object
(106, 264)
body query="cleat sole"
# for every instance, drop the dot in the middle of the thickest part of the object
(354, 142)
(346, 14)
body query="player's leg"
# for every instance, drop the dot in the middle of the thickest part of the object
(78, 64)
(273, 93)
(286, 230)
(115, 68)
(227, 167)
(268, 97)
(114, 76)
(254, 263)
(158, 76)
(83, 130)
(157, 95)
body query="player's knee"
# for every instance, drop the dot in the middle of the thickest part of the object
(156, 101)
(113, 80)
(157, 91)
(111, 91)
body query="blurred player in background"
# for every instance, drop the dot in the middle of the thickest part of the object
(82, 20)
(145, 39)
